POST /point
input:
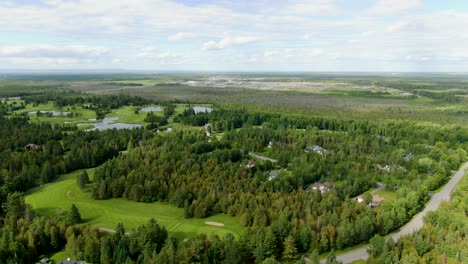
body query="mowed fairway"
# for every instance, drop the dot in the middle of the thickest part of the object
(57, 197)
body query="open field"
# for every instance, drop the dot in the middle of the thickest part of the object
(346, 102)
(435, 98)
(57, 197)
(61, 255)
(389, 196)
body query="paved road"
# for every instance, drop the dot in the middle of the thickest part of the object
(262, 157)
(416, 223)
(380, 186)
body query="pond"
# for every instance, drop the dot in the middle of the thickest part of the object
(151, 109)
(201, 109)
(107, 123)
(53, 113)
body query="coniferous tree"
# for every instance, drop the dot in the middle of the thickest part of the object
(290, 251)
(75, 216)
(83, 179)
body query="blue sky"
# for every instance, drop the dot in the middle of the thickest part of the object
(243, 35)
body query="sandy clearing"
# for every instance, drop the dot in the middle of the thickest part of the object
(214, 223)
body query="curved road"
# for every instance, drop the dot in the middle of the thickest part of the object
(416, 223)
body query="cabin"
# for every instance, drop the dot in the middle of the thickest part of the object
(409, 156)
(32, 146)
(44, 261)
(316, 149)
(68, 261)
(322, 187)
(250, 164)
(376, 200)
(272, 175)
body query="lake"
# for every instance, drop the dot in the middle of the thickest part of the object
(107, 123)
(151, 109)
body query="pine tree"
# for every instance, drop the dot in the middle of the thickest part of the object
(290, 251)
(75, 217)
(83, 179)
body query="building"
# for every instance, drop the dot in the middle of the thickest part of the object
(250, 164)
(31, 146)
(272, 175)
(44, 261)
(376, 200)
(316, 149)
(322, 187)
(68, 261)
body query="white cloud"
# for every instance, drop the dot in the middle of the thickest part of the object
(181, 36)
(227, 42)
(293, 33)
(161, 57)
(314, 7)
(394, 7)
(52, 51)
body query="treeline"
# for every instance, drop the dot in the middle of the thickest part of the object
(444, 91)
(226, 120)
(62, 99)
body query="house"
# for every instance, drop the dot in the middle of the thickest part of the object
(322, 187)
(68, 261)
(250, 164)
(208, 130)
(376, 200)
(44, 261)
(359, 199)
(409, 156)
(388, 168)
(272, 175)
(316, 149)
(31, 146)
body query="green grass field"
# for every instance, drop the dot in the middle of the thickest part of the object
(389, 196)
(126, 114)
(85, 114)
(62, 255)
(57, 197)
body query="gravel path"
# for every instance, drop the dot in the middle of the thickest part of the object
(416, 223)
(262, 157)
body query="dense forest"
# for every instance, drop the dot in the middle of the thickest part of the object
(211, 167)
(209, 176)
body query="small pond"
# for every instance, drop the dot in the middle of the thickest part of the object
(107, 123)
(151, 109)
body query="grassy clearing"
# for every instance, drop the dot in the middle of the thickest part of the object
(56, 198)
(84, 114)
(126, 114)
(61, 255)
(389, 196)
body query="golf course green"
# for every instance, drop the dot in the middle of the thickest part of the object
(56, 198)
